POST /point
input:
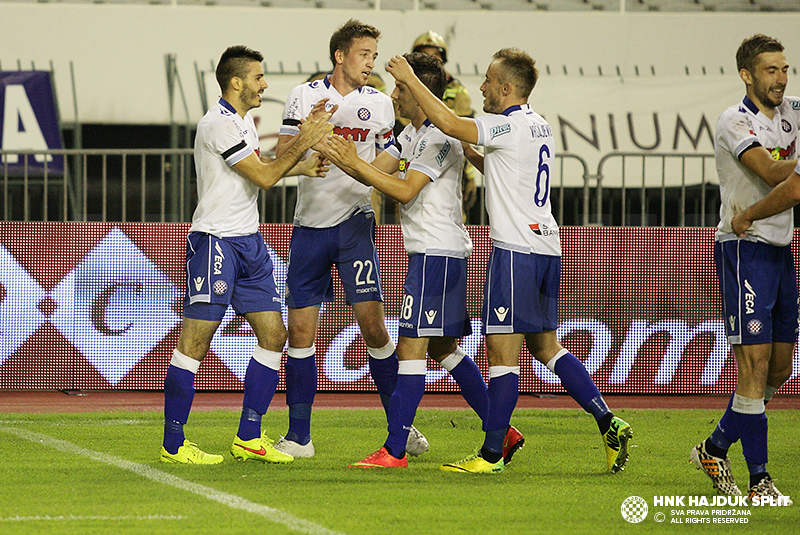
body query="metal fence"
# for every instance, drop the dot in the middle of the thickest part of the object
(159, 185)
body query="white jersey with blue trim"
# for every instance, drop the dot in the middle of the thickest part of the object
(432, 221)
(742, 127)
(518, 167)
(226, 201)
(367, 115)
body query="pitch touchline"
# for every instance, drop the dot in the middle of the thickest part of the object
(41, 518)
(231, 500)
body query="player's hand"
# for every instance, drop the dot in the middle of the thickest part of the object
(740, 224)
(399, 68)
(342, 153)
(319, 108)
(314, 129)
(315, 165)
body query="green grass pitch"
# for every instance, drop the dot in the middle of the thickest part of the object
(99, 473)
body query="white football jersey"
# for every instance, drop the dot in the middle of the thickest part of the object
(367, 115)
(518, 165)
(432, 221)
(226, 201)
(742, 127)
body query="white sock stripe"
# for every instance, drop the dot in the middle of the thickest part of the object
(381, 353)
(184, 362)
(301, 352)
(499, 371)
(265, 357)
(551, 364)
(744, 405)
(453, 359)
(412, 367)
(224, 498)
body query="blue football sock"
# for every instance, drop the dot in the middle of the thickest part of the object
(469, 379)
(724, 434)
(301, 387)
(752, 428)
(578, 384)
(178, 396)
(384, 375)
(402, 409)
(503, 394)
(260, 383)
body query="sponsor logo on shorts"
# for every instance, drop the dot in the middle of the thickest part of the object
(220, 287)
(198, 283)
(218, 259)
(501, 313)
(430, 316)
(749, 298)
(366, 290)
(754, 327)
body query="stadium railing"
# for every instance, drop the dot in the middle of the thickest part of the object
(159, 185)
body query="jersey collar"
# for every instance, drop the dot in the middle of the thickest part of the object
(750, 105)
(327, 82)
(512, 109)
(227, 105)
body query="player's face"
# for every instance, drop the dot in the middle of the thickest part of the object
(770, 78)
(253, 85)
(406, 104)
(492, 88)
(359, 61)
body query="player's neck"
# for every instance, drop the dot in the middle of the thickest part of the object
(340, 83)
(418, 120)
(237, 104)
(766, 110)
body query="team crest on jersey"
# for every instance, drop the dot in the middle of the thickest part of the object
(499, 130)
(364, 114)
(786, 126)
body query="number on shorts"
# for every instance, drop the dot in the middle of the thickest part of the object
(408, 303)
(361, 266)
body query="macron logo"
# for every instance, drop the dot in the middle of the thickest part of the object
(501, 313)
(198, 283)
(430, 316)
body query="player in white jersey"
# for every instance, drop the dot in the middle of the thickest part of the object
(755, 150)
(434, 308)
(334, 225)
(522, 278)
(227, 262)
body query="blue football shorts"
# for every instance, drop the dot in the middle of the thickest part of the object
(435, 298)
(234, 271)
(350, 245)
(758, 285)
(521, 292)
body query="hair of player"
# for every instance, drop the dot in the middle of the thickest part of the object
(429, 70)
(233, 63)
(752, 47)
(519, 69)
(342, 39)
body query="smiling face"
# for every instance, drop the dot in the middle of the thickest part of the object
(767, 82)
(253, 85)
(357, 62)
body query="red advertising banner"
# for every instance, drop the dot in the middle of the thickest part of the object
(98, 306)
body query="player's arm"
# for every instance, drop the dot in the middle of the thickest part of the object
(463, 128)
(474, 157)
(344, 155)
(785, 195)
(760, 161)
(265, 175)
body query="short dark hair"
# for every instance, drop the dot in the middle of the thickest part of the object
(429, 70)
(752, 47)
(520, 67)
(233, 63)
(342, 39)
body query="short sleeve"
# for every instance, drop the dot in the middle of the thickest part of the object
(736, 133)
(493, 130)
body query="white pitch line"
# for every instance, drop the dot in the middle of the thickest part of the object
(49, 518)
(231, 500)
